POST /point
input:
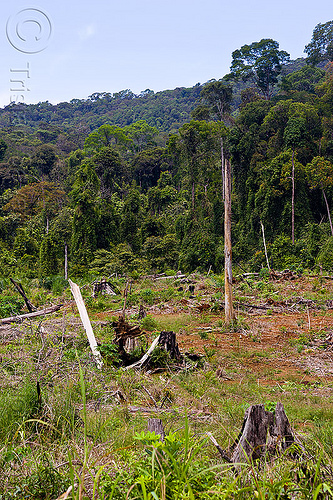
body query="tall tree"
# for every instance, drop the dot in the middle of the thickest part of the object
(105, 135)
(84, 195)
(197, 147)
(141, 134)
(44, 160)
(217, 95)
(293, 136)
(320, 175)
(321, 46)
(260, 63)
(3, 149)
(110, 170)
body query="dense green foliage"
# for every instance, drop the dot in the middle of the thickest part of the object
(129, 184)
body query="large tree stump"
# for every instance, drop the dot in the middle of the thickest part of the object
(127, 338)
(168, 342)
(262, 431)
(281, 434)
(104, 287)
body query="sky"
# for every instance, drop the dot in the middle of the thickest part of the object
(69, 49)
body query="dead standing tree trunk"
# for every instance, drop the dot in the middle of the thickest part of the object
(328, 210)
(293, 198)
(229, 310)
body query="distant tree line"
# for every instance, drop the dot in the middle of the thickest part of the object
(134, 183)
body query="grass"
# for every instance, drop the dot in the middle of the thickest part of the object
(179, 323)
(85, 435)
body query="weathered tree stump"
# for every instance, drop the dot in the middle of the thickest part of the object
(281, 434)
(126, 338)
(262, 432)
(156, 425)
(142, 312)
(168, 342)
(103, 287)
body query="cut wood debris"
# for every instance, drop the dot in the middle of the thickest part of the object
(167, 342)
(139, 364)
(21, 317)
(86, 322)
(20, 290)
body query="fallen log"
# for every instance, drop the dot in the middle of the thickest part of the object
(20, 317)
(176, 277)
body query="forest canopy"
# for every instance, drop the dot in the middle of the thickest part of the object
(127, 183)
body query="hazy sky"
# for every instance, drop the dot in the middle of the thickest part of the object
(66, 49)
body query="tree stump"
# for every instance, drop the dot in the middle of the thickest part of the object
(262, 431)
(142, 312)
(126, 338)
(156, 425)
(103, 287)
(281, 434)
(168, 342)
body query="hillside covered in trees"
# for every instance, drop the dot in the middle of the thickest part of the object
(133, 183)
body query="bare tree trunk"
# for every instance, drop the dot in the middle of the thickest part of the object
(86, 322)
(34, 314)
(328, 211)
(193, 193)
(66, 261)
(263, 237)
(222, 170)
(229, 310)
(293, 199)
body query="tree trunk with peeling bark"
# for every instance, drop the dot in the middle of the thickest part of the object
(229, 310)
(293, 198)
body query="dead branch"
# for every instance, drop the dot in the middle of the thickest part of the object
(20, 290)
(20, 317)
